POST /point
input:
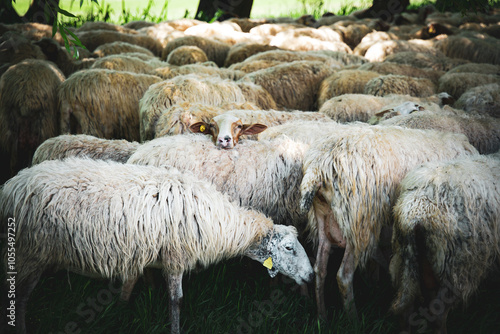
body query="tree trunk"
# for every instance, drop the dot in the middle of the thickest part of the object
(236, 8)
(385, 10)
(36, 12)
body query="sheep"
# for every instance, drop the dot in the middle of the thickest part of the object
(381, 50)
(169, 71)
(254, 65)
(186, 54)
(287, 56)
(226, 128)
(362, 107)
(456, 84)
(128, 63)
(210, 91)
(479, 50)
(60, 56)
(93, 39)
(401, 84)
(141, 216)
(216, 51)
(272, 29)
(349, 186)
(353, 33)
(63, 146)
(402, 69)
(179, 118)
(446, 235)
(482, 68)
(98, 25)
(294, 85)
(15, 48)
(264, 176)
(246, 24)
(103, 103)
(118, 47)
(28, 112)
(226, 32)
(241, 51)
(369, 39)
(304, 43)
(481, 99)
(163, 32)
(425, 60)
(482, 131)
(344, 82)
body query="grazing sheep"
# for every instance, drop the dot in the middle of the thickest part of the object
(482, 131)
(350, 185)
(118, 47)
(381, 50)
(456, 84)
(481, 99)
(103, 103)
(128, 63)
(425, 60)
(304, 43)
(482, 68)
(60, 56)
(141, 216)
(294, 85)
(186, 54)
(63, 146)
(369, 39)
(216, 51)
(401, 84)
(445, 237)
(344, 82)
(477, 50)
(28, 112)
(94, 38)
(362, 107)
(170, 71)
(264, 176)
(210, 91)
(402, 69)
(241, 51)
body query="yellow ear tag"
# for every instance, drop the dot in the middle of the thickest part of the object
(432, 30)
(202, 128)
(268, 263)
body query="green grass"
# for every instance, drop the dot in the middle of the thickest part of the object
(236, 296)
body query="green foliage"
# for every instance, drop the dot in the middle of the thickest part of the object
(312, 7)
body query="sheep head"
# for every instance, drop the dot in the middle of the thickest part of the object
(281, 251)
(226, 130)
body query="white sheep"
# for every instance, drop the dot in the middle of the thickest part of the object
(63, 146)
(112, 220)
(350, 184)
(446, 236)
(258, 174)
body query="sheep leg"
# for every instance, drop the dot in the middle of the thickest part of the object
(320, 267)
(127, 288)
(175, 291)
(22, 295)
(345, 277)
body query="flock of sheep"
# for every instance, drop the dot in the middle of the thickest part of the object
(179, 144)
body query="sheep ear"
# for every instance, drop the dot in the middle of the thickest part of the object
(199, 127)
(252, 129)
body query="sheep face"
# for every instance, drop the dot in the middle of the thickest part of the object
(226, 130)
(281, 251)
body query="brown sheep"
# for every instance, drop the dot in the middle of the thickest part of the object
(216, 51)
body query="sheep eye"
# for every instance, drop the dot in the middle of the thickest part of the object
(288, 248)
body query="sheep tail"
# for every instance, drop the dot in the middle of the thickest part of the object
(311, 182)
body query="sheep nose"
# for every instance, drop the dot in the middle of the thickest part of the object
(310, 277)
(227, 139)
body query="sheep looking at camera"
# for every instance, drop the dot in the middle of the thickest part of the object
(63, 146)
(446, 235)
(140, 216)
(210, 91)
(350, 185)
